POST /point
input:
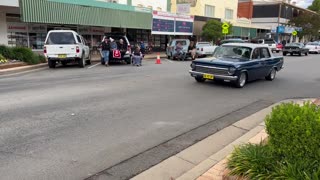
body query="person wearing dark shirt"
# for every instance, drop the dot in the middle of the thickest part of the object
(105, 51)
(137, 56)
(122, 47)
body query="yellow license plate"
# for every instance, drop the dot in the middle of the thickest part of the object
(208, 76)
(62, 56)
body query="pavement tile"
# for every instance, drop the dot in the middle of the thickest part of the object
(203, 149)
(199, 169)
(168, 169)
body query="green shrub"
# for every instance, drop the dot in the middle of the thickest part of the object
(294, 131)
(299, 169)
(25, 55)
(254, 161)
(6, 52)
(42, 59)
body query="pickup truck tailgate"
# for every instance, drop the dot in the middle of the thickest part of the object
(61, 49)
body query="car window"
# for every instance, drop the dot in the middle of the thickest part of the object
(313, 44)
(233, 52)
(265, 53)
(79, 39)
(269, 42)
(256, 54)
(183, 43)
(60, 38)
(83, 41)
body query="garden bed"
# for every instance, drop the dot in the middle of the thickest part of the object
(287, 149)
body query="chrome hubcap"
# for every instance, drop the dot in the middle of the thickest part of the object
(273, 73)
(242, 79)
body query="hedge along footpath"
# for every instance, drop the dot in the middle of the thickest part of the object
(292, 151)
(20, 53)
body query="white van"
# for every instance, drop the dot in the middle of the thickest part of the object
(66, 46)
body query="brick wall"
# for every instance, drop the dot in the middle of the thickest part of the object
(245, 9)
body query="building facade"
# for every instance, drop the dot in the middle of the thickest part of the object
(274, 15)
(21, 24)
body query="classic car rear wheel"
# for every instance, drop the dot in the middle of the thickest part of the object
(272, 75)
(200, 79)
(241, 80)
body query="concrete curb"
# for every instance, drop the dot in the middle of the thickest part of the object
(196, 160)
(22, 69)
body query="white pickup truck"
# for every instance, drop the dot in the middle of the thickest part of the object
(66, 46)
(205, 49)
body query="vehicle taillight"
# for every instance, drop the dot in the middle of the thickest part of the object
(45, 50)
(77, 49)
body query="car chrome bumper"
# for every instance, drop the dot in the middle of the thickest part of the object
(230, 78)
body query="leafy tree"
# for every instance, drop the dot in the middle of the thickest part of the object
(315, 6)
(212, 30)
(310, 24)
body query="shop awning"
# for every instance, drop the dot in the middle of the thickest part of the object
(85, 12)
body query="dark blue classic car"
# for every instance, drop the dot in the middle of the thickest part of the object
(237, 63)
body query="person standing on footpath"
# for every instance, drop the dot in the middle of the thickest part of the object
(106, 51)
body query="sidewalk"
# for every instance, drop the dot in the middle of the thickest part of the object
(206, 159)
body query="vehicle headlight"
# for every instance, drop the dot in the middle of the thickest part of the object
(232, 70)
(193, 66)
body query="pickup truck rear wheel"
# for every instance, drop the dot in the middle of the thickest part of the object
(272, 75)
(89, 59)
(242, 80)
(82, 62)
(52, 63)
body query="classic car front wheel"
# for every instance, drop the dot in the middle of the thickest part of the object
(272, 75)
(200, 79)
(242, 80)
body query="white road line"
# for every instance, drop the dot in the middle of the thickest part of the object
(94, 65)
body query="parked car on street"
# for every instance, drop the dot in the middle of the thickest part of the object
(272, 44)
(314, 47)
(117, 36)
(66, 46)
(237, 63)
(295, 48)
(232, 41)
(205, 49)
(171, 51)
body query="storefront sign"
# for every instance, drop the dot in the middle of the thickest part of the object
(97, 30)
(183, 8)
(172, 24)
(38, 28)
(289, 30)
(192, 3)
(17, 27)
(280, 29)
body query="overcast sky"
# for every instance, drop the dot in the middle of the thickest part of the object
(303, 3)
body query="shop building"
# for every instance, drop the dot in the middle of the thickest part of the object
(26, 23)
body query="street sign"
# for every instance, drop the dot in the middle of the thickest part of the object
(225, 26)
(225, 31)
(294, 33)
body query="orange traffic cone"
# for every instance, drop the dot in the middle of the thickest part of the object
(158, 61)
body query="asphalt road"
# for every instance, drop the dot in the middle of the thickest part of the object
(70, 123)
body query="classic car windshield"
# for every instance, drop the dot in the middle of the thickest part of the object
(234, 52)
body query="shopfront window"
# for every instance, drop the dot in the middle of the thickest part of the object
(37, 35)
(17, 34)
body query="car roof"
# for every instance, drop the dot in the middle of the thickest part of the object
(180, 40)
(251, 45)
(63, 31)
